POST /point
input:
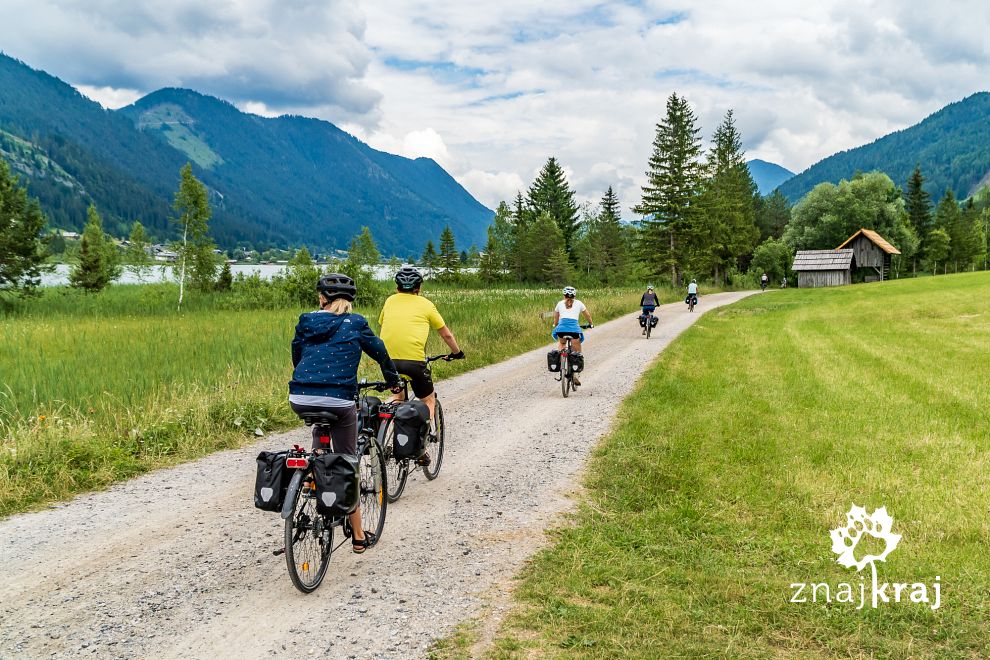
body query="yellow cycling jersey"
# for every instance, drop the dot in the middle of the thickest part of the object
(406, 320)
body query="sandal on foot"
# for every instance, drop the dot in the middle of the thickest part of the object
(359, 546)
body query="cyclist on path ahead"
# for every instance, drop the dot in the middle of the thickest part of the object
(326, 352)
(764, 280)
(406, 319)
(649, 302)
(693, 291)
(566, 318)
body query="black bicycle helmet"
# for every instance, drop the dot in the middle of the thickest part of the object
(408, 279)
(336, 285)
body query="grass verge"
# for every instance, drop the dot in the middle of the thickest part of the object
(744, 446)
(98, 388)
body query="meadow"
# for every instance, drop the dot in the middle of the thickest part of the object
(96, 388)
(742, 448)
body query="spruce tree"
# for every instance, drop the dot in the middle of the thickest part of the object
(773, 212)
(97, 266)
(137, 257)
(670, 194)
(606, 242)
(919, 207)
(729, 214)
(450, 258)
(948, 218)
(490, 265)
(22, 253)
(429, 259)
(225, 281)
(539, 242)
(551, 194)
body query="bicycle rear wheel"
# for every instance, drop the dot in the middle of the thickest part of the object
(374, 502)
(397, 472)
(434, 445)
(649, 326)
(308, 541)
(565, 374)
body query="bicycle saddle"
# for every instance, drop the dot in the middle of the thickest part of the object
(319, 418)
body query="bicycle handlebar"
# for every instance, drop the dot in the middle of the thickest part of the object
(376, 384)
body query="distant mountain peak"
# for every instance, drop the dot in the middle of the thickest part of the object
(767, 175)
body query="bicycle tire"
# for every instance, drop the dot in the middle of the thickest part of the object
(397, 472)
(565, 376)
(308, 538)
(434, 448)
(649, 326)
(374, 486)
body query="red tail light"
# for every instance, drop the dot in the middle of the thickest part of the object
(324, 439)
(385, 415)
(296, 462)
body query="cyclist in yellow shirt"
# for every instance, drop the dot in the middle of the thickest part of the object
(405, 320)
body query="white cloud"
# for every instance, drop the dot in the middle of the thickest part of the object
(110, 97)
(490, 90)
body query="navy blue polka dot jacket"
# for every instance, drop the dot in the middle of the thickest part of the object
(326, 352)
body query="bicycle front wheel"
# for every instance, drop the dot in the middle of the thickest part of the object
(308, 540)
(649, 326)
(397, 472)
(374, 486)
(434, 444)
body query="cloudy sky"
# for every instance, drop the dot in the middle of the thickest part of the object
(491, 89)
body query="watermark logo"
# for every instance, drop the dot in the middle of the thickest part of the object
(862, 525)
(845, 539)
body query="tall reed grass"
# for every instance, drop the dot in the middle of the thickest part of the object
(98, 388)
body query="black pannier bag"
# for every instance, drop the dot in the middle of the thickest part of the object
(337, 484)
(642, 320)
(553, 360)
(654, 320)
(577, 362)
(271, 481)
(368, 415)
(411, 423)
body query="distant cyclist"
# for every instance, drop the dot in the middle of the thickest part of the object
(764, 280)
(406, 319)
(693, 292)
(648, 302)
(326, 352)
(566, 323)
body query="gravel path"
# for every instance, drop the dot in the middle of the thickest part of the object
(178, 563)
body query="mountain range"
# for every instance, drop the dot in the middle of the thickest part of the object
(767, 176)
(272, 181)
(952, 147)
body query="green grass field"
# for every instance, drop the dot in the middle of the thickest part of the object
(743, 446)
(98, 388)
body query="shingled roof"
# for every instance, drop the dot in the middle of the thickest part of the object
(823, 260)
(875, 238)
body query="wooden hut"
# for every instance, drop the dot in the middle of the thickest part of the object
(817, 268)
(871, 250)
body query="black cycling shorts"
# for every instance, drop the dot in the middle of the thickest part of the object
(419, 376)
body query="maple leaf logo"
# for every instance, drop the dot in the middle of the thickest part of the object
(859, 522)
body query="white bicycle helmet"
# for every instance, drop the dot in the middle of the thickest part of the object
(569, 292)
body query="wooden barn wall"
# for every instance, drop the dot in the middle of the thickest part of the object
(810, 279)
(866, 254)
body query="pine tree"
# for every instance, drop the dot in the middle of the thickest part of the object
(670, 195)
(605, 242)
(22, 253)
(948, 217)
(137, 257)
(538, 243)
(490, 265)
(551, 194)
(196, 250)
(729, 214)
(429, 259)
(773, 212)
(450, 258)
(225, 281)
(919, 207)
(97, 265)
